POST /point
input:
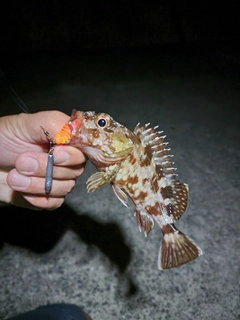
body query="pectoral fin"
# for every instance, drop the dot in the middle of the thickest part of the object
(100, 179)
(120, 194)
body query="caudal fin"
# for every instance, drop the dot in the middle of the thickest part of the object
(176, 250)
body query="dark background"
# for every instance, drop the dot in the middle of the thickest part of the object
(172, 63)
(30, 27)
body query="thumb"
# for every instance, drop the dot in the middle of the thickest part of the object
(51, 121)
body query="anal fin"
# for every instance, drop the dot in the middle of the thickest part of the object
(144, 220)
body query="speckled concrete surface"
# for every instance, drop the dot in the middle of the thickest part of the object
(90, 252)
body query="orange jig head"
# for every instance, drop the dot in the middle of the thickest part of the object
(64, 135)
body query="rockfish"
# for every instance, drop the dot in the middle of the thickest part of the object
(137, 164)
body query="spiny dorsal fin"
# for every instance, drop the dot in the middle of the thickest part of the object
(174, 193)
(156, 149)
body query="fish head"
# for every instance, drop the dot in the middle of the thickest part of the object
(102, 139)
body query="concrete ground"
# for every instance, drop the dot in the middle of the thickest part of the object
(90, 252)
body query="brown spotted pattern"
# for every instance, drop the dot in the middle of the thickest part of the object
(137, 164)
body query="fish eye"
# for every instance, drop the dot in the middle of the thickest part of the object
(102, 123)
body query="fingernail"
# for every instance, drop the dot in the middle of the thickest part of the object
(28, 165)
(61, 157)
(20, 182)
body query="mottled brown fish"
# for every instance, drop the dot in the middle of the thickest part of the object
(137, 164)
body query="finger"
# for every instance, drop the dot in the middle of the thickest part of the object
(36, 185)
(8, 195)
(68, 156)
(41, 202)
(68, 164)
(6, 191)
(18, 200)
(52, 121)
(36, 166)
(35, 202)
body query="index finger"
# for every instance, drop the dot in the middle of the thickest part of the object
(65, 155)
(51, 121)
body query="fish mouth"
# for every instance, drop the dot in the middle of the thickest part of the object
(76, 122)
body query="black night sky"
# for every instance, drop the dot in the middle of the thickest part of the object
(30, 27)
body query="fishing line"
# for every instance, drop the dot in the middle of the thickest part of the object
(12, 93)
(15, 97)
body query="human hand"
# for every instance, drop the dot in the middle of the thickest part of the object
(23, 161)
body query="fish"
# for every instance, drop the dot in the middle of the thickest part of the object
(138, 166)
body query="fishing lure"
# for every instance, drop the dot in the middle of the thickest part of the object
(61, 137)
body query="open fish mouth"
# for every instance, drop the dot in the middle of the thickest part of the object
(76, 122)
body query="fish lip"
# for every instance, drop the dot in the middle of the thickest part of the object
(76, 122)
(77, 126)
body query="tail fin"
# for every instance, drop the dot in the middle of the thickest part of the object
(176, 250)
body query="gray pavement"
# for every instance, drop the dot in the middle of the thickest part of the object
(90, 252)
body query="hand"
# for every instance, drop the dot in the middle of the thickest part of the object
(23, 161)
